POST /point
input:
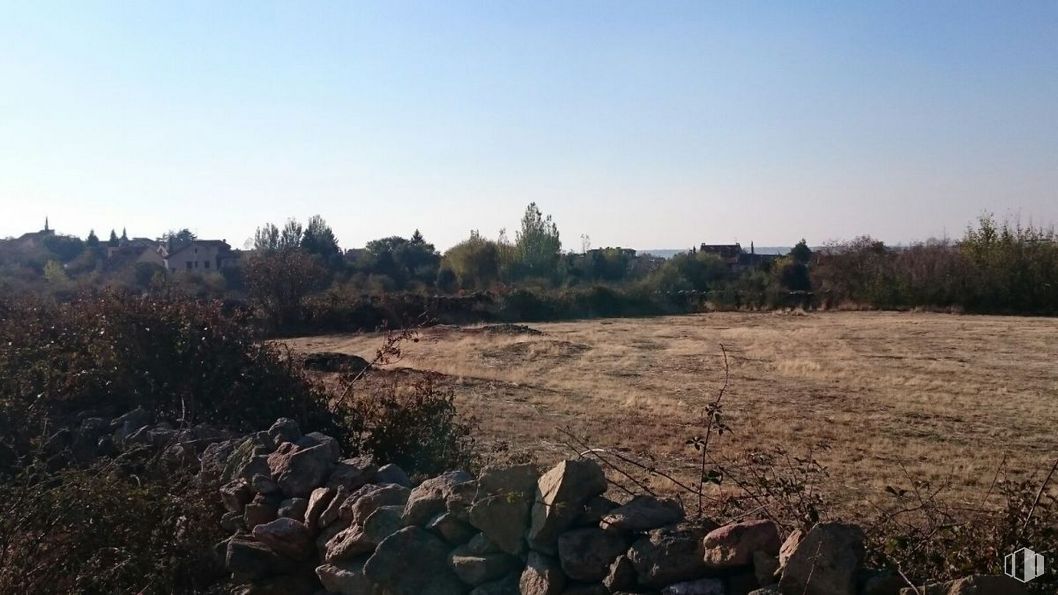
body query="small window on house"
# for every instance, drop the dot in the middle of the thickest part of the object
(205, 264)
(189, 265)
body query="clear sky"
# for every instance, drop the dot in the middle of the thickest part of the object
(642, 124)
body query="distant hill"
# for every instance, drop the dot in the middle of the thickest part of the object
(669, 253)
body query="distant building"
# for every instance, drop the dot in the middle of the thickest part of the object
(197, 256)
(736, 258)
(33, 237)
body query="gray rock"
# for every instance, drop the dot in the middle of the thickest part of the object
(235, 495)
(427, 500)
(284, 430)
(213, 459)
(460, 499)
(320, 439)
(702, 586)
(643, 513)
(669, 555)
(363, 538)
(982, 584)
(734, 544)
(542, 576)
(392, 474)
(560, 495)
(359, 505)
(825, 561)
(586, 554)
(264, 484)
(353, 473)
(430, 574)
(286, 536)
(318, 501)
(503, 506)
(299, 471)
(474, 568)
(333, 510)
(450, 528)
(346, 578)
(261, 510)
(248, 559)
(232, 522)
(293, 508)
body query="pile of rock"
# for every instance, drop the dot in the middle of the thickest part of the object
(304, 520)
(131, 433)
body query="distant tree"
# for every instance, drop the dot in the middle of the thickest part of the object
(124, 235)
(92, 241)
(537, 243)
(474, 261)
(177, 239)
(318, 239)
(113, 242)
(66, 248)
(801, 253)
(290, 236)
(278, 281)
(403, 260)
(793, 274)
(416, 238)
(54, 273)
(266, 238)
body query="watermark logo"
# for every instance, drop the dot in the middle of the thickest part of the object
(1023, 565)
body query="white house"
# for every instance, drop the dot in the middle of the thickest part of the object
(199, 256)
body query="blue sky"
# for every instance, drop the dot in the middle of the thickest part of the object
(641, 124)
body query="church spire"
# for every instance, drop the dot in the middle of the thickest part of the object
(46, 223)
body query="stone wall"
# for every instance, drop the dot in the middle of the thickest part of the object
(305, 520)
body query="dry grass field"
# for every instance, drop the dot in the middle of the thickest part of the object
(877, 397)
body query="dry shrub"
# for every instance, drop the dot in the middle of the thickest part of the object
(412, 423)
(101, 530)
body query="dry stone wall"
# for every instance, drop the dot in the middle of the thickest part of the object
(306, 520)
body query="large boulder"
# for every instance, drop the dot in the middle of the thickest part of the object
(347, 578)
(503, 505)
(353, 473)
(235, 495)
(319, 500)
(825, 561)
(284, 430)
(392, 474)
(734, 544)
(982, 584)
(586, 554)
(428, 499)
(643, 513)
(450, 528)
(413, 561)
(542, 576)
(298, 471)
(474, 567)
(286, 536)
(560, 496)
(360, 504)
(360, 539)
(248, 559)
(670, 555)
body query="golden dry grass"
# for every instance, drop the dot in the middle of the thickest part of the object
(944, 397)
